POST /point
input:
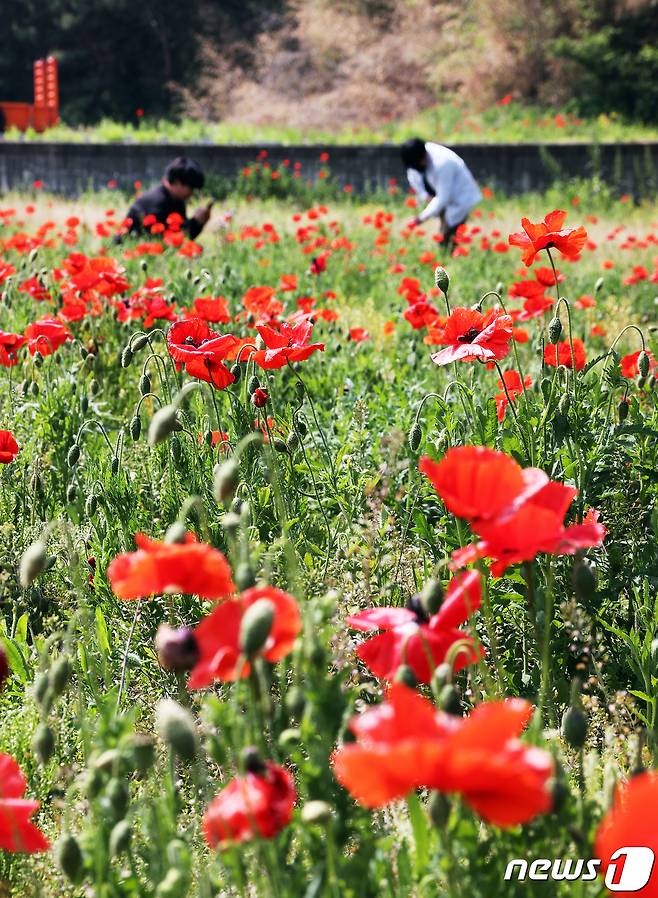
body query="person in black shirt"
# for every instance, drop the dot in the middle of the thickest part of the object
(181, 178)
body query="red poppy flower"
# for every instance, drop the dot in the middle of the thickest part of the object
(259, 804)
(514, 387)
(191, 567)
(629, 367)
(412, 637)
(9, 346)
(535, 307)
(210, 308)
(358, 334)
(547, 234)
(46, 335)
(6, 270)
(218, 636)
(560, 354)
(318, 264)
(8, 447)
(630, 822)
(478, 483)
(193, 345)
(421, 314)
(405, 744)
(17, 832)
(288, 343)
(470, 335)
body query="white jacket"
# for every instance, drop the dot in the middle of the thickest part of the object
(455, 189)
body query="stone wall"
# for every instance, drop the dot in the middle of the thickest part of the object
(69, 168)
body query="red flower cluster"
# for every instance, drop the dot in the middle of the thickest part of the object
(405, 744)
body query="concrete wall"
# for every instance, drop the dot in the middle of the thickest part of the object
(512, 168)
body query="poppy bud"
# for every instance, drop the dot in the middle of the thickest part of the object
(560, 424)
(279, 445)
(449, 700)
(163, 423)
(43, 743)
(554, 330)
(33, 562)
(119, 838)
(34, 388)
(94, 387)
(226, 480)
(118, 797)
(415, 436)
(405, 675)
(40, 686)
(230, 522)
(135, 427)
(292, 441)
(4, 666)
(295, 701)
(73, 455)
(172, 886)
(142, 752)
(244, 576)
(441, 279)
(622, 410)
(643, 363)
(255, 626)
(60, 674)
(71, 492)
(583, 580)
(91, 505)
(564, 404)
(574, 727)
(599, 283)
(126, 357)
(317, 813)
(439, 809)
(176, 533)
(69, 859)
(300, 426)
(289, 738)
(259, 398)
(37, 359)
(431, 597)
(176, 649)
(253, 385)
(175, 726)
(559, 792)
(236, 371)
(175, 448)
(139, 342)
(442, 676)
(144, 384)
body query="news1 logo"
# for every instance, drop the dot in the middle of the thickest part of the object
(629, 869)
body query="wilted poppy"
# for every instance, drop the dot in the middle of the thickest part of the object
(155, 568)
(201, 351)
(218, 636)
(547, 234)
(17, 832)
(8, 447)
(258, 804)
(471, 336)
(413, 637)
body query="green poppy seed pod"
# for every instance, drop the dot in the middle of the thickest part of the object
(60, 674)
(289, 738)
(69, 859)
(118, 796)
(441, 279)
(135, 427)
(43, 743)
(162, 425)
(292, 441)
(253, 385)
(244, 576)
(4, 666)
(643, 363)
(295, 701)
(73, 455)
(574, 727)
(279, 445)
(174, 885)
(256, 626)
(33, 562)
(142, 752)
(84, 405)
(226, 480)
(126, 357)
(554, 330)
(583, 581)
(415, 436)
(439, 809)
(91, 505)
(71, 492)
(317, 813)
(175, 726)
(599, 283)
(622, 410)
(176, 448)
(139, 342)
(236, 371)
(37, 359)
(119, 838)
(431, 597)
(450, 700)
(176, 533)
(405, 675)
(144, 385)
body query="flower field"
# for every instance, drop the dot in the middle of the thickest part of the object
(329, 557)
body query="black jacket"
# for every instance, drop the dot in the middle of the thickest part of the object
(161, 203)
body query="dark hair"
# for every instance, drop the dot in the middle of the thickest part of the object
(186, 172)
(413, 152)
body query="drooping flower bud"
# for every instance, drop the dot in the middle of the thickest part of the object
(126, 357)
(255, 626)
(43, 743)
(431, 597)
(554, 330)
(439, 809)
(73, 455)
(33, 562)
(163, 423)
(415, 436)
(226, 480)
(119, 838)
(144, 384)
(175, 726)
(450, 701)
(135, 427)
(405, 675)
(69, 859)
(643, 363)
(574, 727)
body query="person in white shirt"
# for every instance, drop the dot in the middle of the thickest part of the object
(441, 180)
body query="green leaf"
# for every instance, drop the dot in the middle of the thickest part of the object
(102, 634)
